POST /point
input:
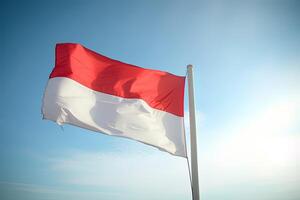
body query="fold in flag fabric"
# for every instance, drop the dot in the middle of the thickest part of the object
(95, 92)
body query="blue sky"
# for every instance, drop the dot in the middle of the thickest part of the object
(247, 67)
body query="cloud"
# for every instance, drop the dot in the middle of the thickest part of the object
(17, 190)
(136, 173)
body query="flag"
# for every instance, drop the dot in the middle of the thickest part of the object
(95, 92)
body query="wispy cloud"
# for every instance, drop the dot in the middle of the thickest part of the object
(17, 190)
(137, 173)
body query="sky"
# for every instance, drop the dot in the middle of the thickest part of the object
(246, 57)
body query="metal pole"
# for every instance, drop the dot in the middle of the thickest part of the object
(194, 161)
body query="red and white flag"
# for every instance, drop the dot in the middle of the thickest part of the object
(95, 92)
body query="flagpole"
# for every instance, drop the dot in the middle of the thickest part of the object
(193, 137)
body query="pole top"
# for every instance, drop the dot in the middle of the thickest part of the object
(189, 66)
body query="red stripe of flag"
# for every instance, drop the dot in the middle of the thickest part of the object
(160, 90)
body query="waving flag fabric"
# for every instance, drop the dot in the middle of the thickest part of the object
(97, 93)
